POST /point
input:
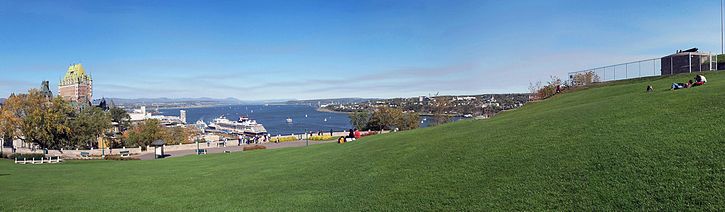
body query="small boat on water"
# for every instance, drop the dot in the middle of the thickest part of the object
(325, 120)
(289, 120)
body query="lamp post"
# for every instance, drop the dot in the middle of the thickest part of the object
(103, 149)
(197, 146)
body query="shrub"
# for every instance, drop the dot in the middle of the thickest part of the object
(253, 147)
(321, 138)
(284, 139)
(21, 156)
(118, 157)
(368, 133)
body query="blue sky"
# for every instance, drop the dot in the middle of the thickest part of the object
(259, 50)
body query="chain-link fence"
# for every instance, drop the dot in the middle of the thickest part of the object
(681, 62)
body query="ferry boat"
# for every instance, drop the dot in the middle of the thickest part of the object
(242, 126)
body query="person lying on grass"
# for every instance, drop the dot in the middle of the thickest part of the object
(677, 86)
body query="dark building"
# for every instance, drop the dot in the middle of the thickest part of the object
(685, 62)
(45, 90)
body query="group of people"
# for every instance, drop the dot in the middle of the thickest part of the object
(256, 139)
(699, 80)
(354, 134)
(319, 133)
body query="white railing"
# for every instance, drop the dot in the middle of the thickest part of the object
(646, 68)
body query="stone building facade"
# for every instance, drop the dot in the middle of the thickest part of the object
(76, 85)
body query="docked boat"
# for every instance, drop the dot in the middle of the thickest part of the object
(289, 120)
(242, 126)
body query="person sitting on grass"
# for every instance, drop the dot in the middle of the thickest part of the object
(357, 134)
(699, 80)
(341, 140)
(650, 88)
(351, 135)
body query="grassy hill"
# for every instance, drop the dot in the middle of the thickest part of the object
(612, 147)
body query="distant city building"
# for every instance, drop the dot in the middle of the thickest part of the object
(182, 116)
(76, 85)
(140, 115)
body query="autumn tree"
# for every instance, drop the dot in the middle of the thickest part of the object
(144, 133)
(44, 122)
(409, 121)
(10, 118)
(121, 117)
(360, 119)
(89, 125)
(440, 107)
(177, 135)
(585, 78)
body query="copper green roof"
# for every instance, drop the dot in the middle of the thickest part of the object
(76, 74)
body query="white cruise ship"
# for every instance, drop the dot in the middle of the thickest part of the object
(243, 126)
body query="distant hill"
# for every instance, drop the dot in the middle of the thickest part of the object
(329, 101)
(195, 101)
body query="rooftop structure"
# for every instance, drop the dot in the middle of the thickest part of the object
(76, 85)
(686, 61)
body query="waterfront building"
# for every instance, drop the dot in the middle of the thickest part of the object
(76, 85)
(140, 115)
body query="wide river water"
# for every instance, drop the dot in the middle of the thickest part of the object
(273, 117)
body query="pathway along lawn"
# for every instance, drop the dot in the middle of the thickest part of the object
(612, 147)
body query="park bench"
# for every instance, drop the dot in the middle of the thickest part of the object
(38, 160)
(85, 155)
(221, 144)
(201, 151)
(125, 153)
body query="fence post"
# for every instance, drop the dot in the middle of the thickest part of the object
(689, 57)
(626, 71)
(671, 70)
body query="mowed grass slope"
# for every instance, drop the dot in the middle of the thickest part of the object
(612, 147)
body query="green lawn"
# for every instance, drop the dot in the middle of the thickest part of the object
(613, 147)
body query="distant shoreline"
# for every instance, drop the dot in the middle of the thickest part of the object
(319, 109)
(190, 107)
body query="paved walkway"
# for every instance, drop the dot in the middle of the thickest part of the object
(232, 147)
